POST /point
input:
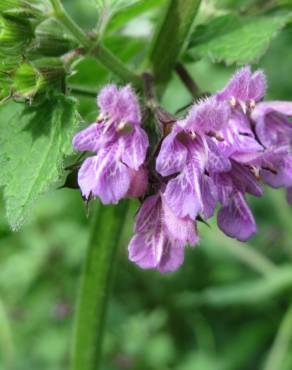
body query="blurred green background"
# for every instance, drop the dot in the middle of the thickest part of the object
(225, 309)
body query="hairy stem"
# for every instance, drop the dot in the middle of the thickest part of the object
(171, 37)
(107, 58)
(106, 230)
(111, 62)
(63, 17)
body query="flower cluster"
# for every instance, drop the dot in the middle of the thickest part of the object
(120, 145)
(222, 150)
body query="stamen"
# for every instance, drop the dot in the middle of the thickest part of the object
(243, 106)
(233, 102)
(124, 127)
(100, 118)
(216, 135)
(256, 172)
(252, 104)
(193, 134)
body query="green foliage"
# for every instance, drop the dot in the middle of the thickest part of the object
(231, 39)
(228, 308)
(247, 293)
(34, 141)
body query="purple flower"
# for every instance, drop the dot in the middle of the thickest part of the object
(242, 92)
(120, 145)
(274, 131)
(244, 87)
(188, 153)
(235, 218)
(160, 236)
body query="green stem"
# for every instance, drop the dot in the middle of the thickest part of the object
(63, 17)
(106, 230)
(282, 344)
(82, 91)
(103, 55)
(171, 37)
(107, 58)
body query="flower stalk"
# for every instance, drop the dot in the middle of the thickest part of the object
(106, 230)
(174, 30)
(111, 62)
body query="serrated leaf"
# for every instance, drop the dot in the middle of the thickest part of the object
(232, 39)
(33, 143)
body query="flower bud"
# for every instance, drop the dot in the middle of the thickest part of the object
(15, 34)
(51, 40)
(27, 80)
(21, 9)
(9, 4)
(31, 78)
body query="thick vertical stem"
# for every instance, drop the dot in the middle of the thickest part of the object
(171, 37)
(106, 230)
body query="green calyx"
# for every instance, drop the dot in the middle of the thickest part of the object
(15, 34)
(27, 81)
(32, 78)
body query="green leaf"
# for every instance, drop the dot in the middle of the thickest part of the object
(232, 39)
(126, 14)
(33, 143)
(246, 293)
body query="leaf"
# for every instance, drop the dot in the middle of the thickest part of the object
(232, 39)
(246, 293)
(126, 14)
(33, 143)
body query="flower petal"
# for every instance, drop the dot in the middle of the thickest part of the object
(87, 176)
(238, 86)
(172, 156)
(172, 258)
(112, 176)
(257, 86)
(244, 180)
(107, 99)
(136, 145)
(184, 196)
(272, 125)
(209, 196)
(283, 175)
(89, 139)
(146, 249)
(217, 162)
(139, 182)
(236, 219)
(128, 107)
(208, 115)
(149, 214)
(180, 229)
(238, 137)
